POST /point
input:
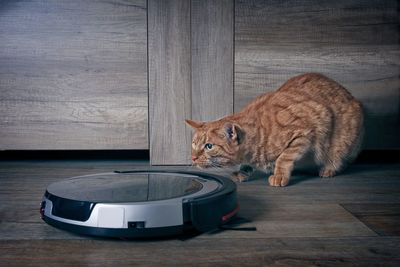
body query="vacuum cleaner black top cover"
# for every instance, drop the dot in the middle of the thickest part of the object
(140, 203)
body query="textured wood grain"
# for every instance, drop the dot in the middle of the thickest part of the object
(204, 252)
(169, 81)
(300, 225)
(191, 72)
(384, 218)
(275, 220)
(212, 59)
(353, 42)
(73, 75)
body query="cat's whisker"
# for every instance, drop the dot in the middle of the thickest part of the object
(217, 165)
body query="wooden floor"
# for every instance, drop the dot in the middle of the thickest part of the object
(352, 219)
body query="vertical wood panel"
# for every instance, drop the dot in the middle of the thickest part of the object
(169, 80)
(73, 74)
(212, 59)
(354, 42)
(191, 72)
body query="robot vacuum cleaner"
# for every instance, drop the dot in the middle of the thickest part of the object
(139, 204)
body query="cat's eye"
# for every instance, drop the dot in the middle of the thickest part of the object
(208, 146)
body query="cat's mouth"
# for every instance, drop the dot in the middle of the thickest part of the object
(201, 165)
(211, 163)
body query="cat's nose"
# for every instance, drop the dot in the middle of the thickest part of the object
(194, 157)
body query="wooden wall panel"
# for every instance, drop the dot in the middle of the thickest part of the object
(73, 74)
(191, 72)
(169, 81)
(212, 59)
(354, 42)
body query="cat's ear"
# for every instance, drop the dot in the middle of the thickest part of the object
(194, 124)
(233, 132)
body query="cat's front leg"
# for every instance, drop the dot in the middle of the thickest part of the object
(285, 162)
(244, 173)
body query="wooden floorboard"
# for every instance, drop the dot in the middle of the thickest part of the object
(351, 219)
(383, 218)
(203, 252)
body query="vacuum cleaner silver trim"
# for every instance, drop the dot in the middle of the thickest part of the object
(153, 214)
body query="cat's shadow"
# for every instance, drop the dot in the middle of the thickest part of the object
(298, 176)
(304, 174)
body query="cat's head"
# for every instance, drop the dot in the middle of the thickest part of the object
(216, 143)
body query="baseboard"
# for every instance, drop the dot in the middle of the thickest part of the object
(379, 156)
(74, 154)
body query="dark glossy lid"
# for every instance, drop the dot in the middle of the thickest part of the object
(127, 187)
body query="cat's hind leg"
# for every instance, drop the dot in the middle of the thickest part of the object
(285, 162)
(346, 140)
(244, 173)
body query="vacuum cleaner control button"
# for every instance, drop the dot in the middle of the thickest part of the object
(136, 225)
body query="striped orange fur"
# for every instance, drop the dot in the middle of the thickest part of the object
(309, 112)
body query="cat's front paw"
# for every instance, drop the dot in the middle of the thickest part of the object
(240, 177)
(278, 180)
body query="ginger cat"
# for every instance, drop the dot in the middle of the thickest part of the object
(309, 112)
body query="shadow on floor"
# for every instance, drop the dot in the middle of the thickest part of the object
(297, 176)
(305, 174)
